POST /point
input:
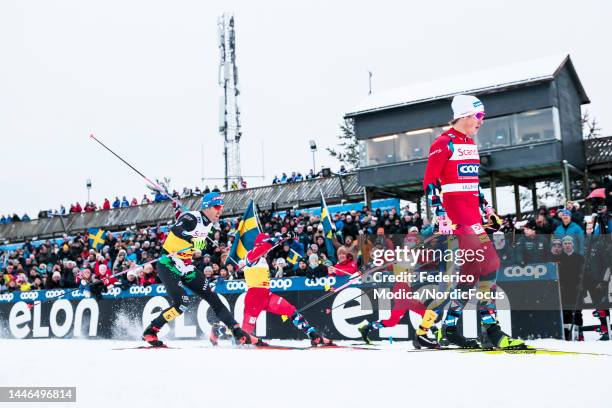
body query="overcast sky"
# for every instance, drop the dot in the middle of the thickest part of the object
(142, 76)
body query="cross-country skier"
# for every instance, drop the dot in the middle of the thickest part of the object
(259, 298)
(452, 188)
(403, 303)
(176, 270)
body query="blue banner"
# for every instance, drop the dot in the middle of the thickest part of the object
(534, 272)
(221, 286)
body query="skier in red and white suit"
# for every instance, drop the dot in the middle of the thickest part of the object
(259, 298)
(453, 166)
(452, 188)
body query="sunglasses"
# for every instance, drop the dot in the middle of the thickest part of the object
(479, 115)
(218, 207)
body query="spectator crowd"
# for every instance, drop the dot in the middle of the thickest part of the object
(117, 203)
(297, 176)
(550, 235)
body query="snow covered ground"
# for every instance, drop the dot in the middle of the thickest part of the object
(197, 375)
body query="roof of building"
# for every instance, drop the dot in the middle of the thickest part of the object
(475, 82)
(598, 150)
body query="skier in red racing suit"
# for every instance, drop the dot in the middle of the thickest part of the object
(452, 173)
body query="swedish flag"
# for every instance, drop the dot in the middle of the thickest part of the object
(97, 237)
(248, 228)
(296, 252)
(328, 229)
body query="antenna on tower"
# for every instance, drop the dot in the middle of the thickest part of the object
(229, 111)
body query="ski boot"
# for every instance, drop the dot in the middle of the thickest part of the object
(435, 330)
(440, 336)
(483, 338)
(603, 329)
(219, 332)
(150, 336)
(317, 340)
(424, 341)
(450, 335)
(241, 337)
(365, 329)
(421, 339)
(501, 340)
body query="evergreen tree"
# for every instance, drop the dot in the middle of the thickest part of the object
(347, 152)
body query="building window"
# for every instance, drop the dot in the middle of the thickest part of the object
(535, 126)
(414, 145)
(494, 133)
(381, 150)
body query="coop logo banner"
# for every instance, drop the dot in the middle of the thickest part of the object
(233, 286)
(468, 170)
(222, 287)
(281, 284)
(54, 293)
(77, 294)
(321, 282)
(28, 295)
(534, 272)
(140, 290)
(112, 292)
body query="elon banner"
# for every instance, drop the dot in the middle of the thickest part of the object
(530, 309)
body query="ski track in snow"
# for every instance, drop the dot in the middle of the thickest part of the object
(198, 375)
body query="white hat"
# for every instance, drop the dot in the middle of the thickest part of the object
(466, 105)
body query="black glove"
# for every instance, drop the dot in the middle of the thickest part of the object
(241, 336)
(97, 288)
(288, 235)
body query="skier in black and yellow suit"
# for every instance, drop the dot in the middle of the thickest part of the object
(176, 270)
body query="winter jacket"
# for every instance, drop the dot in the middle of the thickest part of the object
(575, 231)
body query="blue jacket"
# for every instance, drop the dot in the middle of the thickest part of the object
(575, 231)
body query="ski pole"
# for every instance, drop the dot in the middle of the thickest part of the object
(155, 185)
(329, 310)
(128, 164)
(354, 279)
(30, 305)
(350, 282)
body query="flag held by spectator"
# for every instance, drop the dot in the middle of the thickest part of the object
(247, 231)
(97, 237)
(329, 230)
(296, 252)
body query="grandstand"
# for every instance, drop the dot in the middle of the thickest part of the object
(277, 197)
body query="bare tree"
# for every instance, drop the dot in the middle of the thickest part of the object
(590, 130)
